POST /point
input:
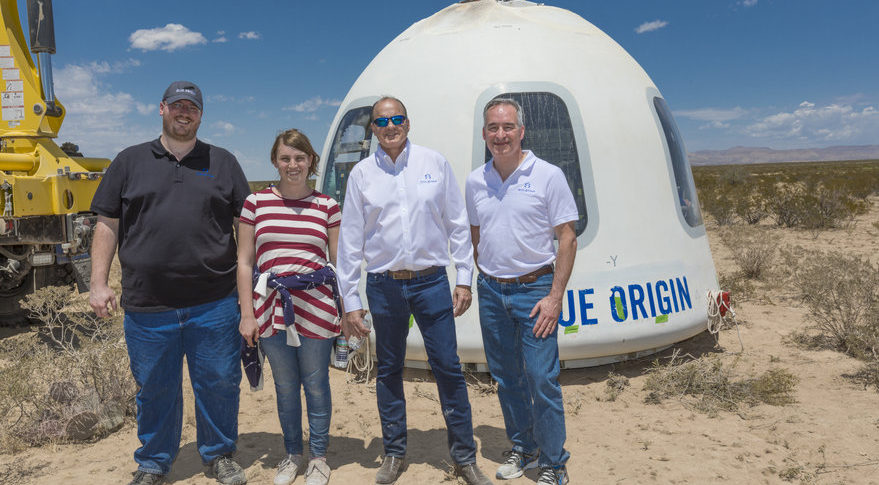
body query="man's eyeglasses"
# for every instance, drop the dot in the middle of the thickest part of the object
(382, 122)
(191, 108)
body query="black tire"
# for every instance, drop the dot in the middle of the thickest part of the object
(11, 313)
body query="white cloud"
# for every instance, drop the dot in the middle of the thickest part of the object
(168, 38)
(221, 37)
(833, 123)
(712, 114)
(749, 3)
(146, 109)
(650, 26)
(224, 127)
(312, 105)
(222, 98)
(249, 35)
(248, 161)
(99, 117)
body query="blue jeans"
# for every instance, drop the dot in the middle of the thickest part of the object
(525, 367)
(306, 366)
(208, 336)
(429, 299)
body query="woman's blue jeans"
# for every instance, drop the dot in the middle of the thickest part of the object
(525, 367)
(429, 299)
(208, 336)
(306, 366)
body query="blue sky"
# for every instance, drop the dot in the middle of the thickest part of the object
(770, 73)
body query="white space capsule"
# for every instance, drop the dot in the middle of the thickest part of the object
(643, 266)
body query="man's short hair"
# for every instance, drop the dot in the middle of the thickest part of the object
(508, 101)
(388, 98)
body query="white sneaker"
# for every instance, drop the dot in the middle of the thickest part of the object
(515, 465)
(288, 469)
(318, 473)
(553, 476)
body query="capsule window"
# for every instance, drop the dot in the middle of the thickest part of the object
(550, 135)
(352, 142)
(685, 189)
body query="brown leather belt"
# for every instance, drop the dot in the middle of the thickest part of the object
(525, 278)
(405, 274)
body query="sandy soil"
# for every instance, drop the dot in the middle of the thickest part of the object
(830, 435)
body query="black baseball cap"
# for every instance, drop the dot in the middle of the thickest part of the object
(183, 90)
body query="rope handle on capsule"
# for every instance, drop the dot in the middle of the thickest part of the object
(720, 314)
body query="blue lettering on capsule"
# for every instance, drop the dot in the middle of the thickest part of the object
(630, 302)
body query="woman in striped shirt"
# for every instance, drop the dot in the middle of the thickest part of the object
(286, 236)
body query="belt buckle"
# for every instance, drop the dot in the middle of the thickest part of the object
(403, 274)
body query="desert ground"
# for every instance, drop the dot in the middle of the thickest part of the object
(828, 435)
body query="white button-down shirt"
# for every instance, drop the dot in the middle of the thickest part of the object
(403, 215)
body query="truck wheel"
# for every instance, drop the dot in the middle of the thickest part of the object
(11, 313)
(54, 276)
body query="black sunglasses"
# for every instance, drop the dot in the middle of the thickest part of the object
(396, 120)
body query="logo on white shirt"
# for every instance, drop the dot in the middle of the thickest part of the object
(427, 179)
(527, 188)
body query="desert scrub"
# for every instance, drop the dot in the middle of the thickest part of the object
(71, 384)
(755, 260)
(842, 294)
(709, 384)
(753, 249)
(615, 385)
(814, 206)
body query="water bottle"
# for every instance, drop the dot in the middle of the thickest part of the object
(340, 358)
(355, 342)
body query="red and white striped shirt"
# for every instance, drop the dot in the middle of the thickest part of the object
(291, 237)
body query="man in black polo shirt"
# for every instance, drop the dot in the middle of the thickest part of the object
(171, 205)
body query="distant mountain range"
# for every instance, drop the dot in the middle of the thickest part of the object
(743, 155)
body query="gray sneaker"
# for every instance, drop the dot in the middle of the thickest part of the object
(146, 478)
(515, 465)
(318, 473)
(472, 474)
(288, 469)
(391, 468)
(226, 471)
(553, 476)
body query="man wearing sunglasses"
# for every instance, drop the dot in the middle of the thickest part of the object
(403, 214)
(171, 205)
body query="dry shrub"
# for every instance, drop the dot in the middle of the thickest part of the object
(753, 250)
(750, 208)
(712, 386)
(868, 375)
(73, 384)
(755, 260)
(615, 385)
(814, 206)
(842, 293)
(738, 286)
(481, 383)
(718, 202)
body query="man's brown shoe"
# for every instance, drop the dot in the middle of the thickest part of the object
(391, 468)
(472, 474)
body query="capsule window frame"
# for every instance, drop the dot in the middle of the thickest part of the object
(587, 196)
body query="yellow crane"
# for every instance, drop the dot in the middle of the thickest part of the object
(45, 194)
